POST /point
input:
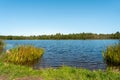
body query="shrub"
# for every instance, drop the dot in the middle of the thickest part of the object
(24, 54)
(112, 55)
(1, 45)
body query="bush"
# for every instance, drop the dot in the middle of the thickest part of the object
(112, 55)
(24, 54)
(1, 45)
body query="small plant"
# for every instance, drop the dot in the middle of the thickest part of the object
(112, 55)
(1, 46)
(24, 54)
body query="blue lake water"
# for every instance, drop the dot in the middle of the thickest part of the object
(76, 53)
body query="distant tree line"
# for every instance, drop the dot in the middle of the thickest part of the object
(59, 36)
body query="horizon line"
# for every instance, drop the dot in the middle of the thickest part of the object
(57, 33)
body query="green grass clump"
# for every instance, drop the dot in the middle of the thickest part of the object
(1, 45)
(112, 55)
(24, 54)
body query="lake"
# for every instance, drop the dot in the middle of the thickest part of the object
(77, 53)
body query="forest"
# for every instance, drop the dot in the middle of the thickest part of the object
(59, 36)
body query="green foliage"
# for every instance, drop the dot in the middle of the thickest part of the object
(64, 73)
(12, 71)
(112, 55)
(69, 73)
(1, 45)
(23, 54)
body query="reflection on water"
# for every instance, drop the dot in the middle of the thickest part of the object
(77, 53)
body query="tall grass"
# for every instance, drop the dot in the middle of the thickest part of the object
(112, 55)
(1, 46)
(24, 54)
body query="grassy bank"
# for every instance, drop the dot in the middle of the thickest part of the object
(11, 71)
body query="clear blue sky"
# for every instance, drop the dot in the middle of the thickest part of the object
(37, 17)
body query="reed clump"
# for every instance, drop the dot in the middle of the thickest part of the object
(24, 54)
(112, 55)
(1, 45)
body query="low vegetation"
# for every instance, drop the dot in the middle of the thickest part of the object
(11, 71)
(112, 55)
(1, 45)
(24, 54)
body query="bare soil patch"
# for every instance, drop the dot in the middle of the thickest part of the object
(3, 78)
